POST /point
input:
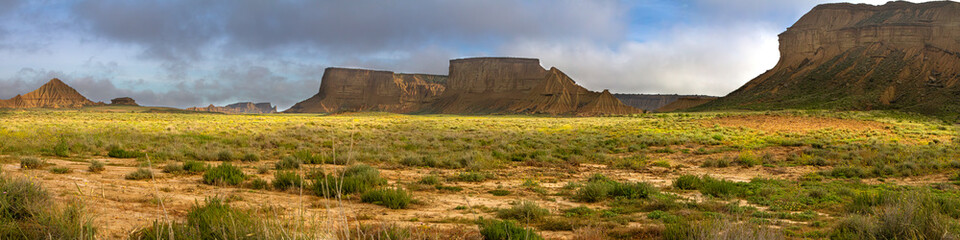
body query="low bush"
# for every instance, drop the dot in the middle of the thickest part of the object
(717, 188)
(524, 211)
(250, 157)
(353, 179)
(214, 220)
(61, 170)
(225, 156)
(907, 215)
(259, 184)
(31, 163)
(393, 198)
(28, 212)
(140, 174)
(224, 174)
(96, 166)
(599, 188)
(120, 153)
(288, 162)
(429, 180)
(173, 168)
(283, 180)
(194, 167)
(505, 230)
(687, 182)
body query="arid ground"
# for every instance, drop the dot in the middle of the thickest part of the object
(785, 174)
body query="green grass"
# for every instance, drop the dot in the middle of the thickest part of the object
(120, 153)
(215, 219)
(288, 163)
(353, 179)
(28, 212)
(505, 230)
(524, 211)
(61, 170)
(500, 192)
(283, 180)
(393, 198)
(599, 188)
(224, 174)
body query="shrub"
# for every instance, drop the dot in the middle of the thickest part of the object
(717, 188)
(224, 174)
(259, 184)
(908, 215)
(213, 220)
(250, 157)
(28, 212)
(140, 174)
(354, 179)
(96, 166)
(194, 167)
(429, 180)
(31, 163)
(499, 192)
(225, 156)
(61, 170)
(120, 153)
(687, 182)
(395, 198)
(847, 172)
(173, 168)
(283, 180)
(61, 149)
(599, 187)
(505, 230)
(288, 163)
(525, 211)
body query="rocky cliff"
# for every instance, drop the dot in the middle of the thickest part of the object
(239, 108)
(519, 85)
(344, 89)
(53, 94)
(685, 102)
(474, 86)
(899, 55)
(653, 102)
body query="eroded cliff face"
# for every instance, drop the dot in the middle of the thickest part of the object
(475, 86)
(53, 94)
(239, 108)
(899, 55)
(653, 102)
(344, 89)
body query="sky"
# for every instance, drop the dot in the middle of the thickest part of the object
(184, 53)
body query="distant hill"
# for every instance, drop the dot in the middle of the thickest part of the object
(654, 102)
(238, 108)
(899, 55)
(53, 94)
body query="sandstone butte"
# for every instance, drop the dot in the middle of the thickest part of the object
(899, 55)
(238, 108)
(660, 102)
(53, 94)
(474, 86)
(124, 101)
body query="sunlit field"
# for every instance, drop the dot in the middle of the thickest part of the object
(118, 173)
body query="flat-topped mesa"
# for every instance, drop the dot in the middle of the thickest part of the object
(53, 94)
(123, 101)
(899, 55)
(475, 86)
(514, 85)
(346, 89)
(239, 108)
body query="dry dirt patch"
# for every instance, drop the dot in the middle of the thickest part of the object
(793, 123)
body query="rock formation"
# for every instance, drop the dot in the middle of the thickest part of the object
(653, 102)
(344, 89)
(53, 94)
(899, 55)
(124, 101)
(239, 108)
(685, 102)
(475, 86)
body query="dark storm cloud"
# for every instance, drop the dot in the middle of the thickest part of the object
(177, 30)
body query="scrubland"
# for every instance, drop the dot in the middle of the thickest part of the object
(715, 175)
